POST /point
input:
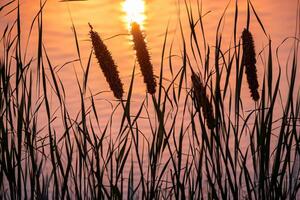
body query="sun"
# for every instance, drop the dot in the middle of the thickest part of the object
(135, 11)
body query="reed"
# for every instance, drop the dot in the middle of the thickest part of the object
(250, 63)
(143, 57)
(201, 101)
(107, 64)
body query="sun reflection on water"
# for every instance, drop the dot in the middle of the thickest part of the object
(135, 11)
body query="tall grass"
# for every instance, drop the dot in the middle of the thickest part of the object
(240, 155)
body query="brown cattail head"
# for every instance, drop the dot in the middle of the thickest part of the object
(1, 64)
(249, 61)
(107, 64)
(143, 57)
(201, 101)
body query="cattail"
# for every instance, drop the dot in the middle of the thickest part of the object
(201, 101)
(249, 61)
(107, 64)
(143, 57)
(1, 64)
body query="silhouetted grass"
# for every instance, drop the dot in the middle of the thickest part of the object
(223, 152)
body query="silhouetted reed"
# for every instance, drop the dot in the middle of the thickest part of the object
(201, 101)
(143, 57)
(250, 61)
(107, 64)
(1, 64)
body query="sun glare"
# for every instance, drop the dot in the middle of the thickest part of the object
(135, 11)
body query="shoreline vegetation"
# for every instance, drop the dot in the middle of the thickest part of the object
(231, 153)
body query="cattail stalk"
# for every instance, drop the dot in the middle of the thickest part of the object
(249, 61)
(143, 57)
(107, 64)
(201, 101)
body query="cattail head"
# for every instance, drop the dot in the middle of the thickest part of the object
(143, 57)
(198, 91)
(107, 64)
(249, 61)
(1, 64)
(201, 101)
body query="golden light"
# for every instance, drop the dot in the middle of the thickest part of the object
(135, 11)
